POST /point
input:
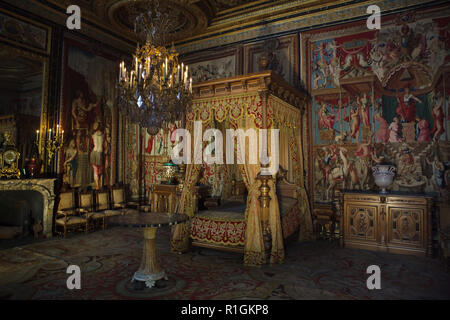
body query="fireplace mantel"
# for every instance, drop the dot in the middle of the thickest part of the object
(46, 187)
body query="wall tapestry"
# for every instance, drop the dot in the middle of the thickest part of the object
(151, 151)
(88, 117)
(382, 97)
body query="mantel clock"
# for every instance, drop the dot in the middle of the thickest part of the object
(9, 160)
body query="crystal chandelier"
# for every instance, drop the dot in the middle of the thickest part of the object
(156, 90)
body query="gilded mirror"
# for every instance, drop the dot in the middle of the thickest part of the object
(23, 97)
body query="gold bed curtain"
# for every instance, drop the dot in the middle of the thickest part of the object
(289, 119)
(245, 112)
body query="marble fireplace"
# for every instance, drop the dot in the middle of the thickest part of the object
(31, 188)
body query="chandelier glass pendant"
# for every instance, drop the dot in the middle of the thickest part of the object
(156, 90)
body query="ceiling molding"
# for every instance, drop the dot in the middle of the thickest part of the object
(204, 24)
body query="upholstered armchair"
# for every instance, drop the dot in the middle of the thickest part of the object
(67, 216)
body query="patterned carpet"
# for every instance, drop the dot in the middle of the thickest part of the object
(317, 270)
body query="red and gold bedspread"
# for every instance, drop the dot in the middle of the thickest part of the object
(290, 220)
(227, 226)
(217, 230)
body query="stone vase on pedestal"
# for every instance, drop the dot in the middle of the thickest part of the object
(383, 175)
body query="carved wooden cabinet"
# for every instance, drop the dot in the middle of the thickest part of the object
(164, 197)
(396, 223)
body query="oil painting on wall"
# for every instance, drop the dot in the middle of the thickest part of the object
(382, 97)
(88, 118)
(212, 65)
(211, 70)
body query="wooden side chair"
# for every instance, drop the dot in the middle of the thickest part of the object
(146, 203)
(67, 216)
(102, 205)
(119, 200)
(86, 207)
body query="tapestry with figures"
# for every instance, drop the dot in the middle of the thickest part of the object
(381, 97)
(89, 117)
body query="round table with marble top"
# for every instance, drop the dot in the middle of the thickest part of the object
(150, 270)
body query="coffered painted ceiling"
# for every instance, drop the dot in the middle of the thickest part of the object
(199, 21)
(193, 18)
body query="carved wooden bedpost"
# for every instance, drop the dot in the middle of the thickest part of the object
(264, 200)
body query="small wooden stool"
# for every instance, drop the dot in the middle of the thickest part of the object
(212, 202)
(444, 234)
(324, 217)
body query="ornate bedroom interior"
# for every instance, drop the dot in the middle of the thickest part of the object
(92, 115)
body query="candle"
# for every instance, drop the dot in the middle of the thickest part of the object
(62, 136)
(57, 130)
(139, 75)
(50, 134)
(190, 85)
(164, 73)
(136, 65)
(178, 74)
(37, 136)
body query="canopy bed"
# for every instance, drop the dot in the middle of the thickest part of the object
(256, 212)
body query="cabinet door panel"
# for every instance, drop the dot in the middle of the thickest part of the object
(361, 222)
(406, 226)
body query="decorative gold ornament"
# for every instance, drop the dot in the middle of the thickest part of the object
(53, 143)
(171, 171)
(10, 164)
